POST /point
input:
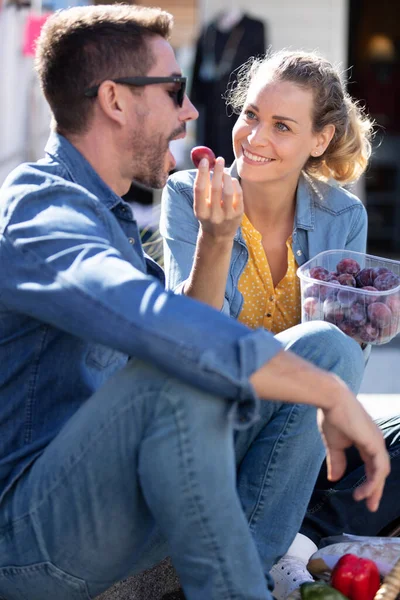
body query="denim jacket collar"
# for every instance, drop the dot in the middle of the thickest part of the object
(80, 170)
(305, 207)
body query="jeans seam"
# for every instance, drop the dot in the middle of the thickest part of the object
(272, 461)
(209, 537)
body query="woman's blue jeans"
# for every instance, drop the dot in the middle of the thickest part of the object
(149, 466)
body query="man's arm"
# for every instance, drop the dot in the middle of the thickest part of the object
(69, 264)
(342, 419)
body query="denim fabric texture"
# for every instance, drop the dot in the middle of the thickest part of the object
(78, 296)
(149, 466)
(128, 427)
(327, 217)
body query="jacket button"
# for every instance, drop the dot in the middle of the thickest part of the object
(299, 253)
(131, 240)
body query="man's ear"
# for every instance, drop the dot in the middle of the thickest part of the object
(113, 101)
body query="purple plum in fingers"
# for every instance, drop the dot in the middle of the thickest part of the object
(347, 279)
(386, 281)
(200, 152)
(379, 314)
(348, 265)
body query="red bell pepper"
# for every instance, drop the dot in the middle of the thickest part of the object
(357, 578)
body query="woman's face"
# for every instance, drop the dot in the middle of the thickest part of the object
(273, 137)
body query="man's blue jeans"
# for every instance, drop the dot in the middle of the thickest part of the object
(148, 467)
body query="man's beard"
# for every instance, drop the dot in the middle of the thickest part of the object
(149, 158)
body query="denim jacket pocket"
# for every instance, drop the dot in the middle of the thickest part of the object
(100, 356)
(39, 581)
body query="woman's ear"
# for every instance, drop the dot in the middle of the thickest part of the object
(323, 140)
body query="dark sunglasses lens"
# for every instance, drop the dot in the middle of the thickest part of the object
(181, 94)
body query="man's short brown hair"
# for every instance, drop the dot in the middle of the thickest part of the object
(82, 46)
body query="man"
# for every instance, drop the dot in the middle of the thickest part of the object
(108, 465)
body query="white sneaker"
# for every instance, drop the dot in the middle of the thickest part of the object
(288, 574)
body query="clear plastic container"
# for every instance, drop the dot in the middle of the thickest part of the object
(368, 316)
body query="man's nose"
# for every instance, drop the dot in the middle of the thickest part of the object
(188, 111)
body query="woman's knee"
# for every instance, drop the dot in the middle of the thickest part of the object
(327, 347)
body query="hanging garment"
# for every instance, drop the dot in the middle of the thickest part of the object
(218, 53)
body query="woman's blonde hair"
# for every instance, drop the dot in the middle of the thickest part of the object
(346, 157)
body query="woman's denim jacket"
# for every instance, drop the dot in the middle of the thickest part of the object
(327, 217)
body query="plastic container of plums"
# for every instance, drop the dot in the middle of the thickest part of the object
(359, 293)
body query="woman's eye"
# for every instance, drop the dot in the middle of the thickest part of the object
(249, 114)
(281, 126)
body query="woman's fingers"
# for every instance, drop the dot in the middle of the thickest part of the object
(202, 190)
(237, 202)
(218, 201)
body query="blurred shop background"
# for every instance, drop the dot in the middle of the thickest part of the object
(211, 39)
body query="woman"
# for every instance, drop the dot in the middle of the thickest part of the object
(299, 136)
(236, 246)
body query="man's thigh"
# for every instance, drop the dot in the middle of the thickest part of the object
(80, 507)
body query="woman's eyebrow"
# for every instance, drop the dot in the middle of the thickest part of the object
(280, 118)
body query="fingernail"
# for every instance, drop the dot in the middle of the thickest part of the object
(203, 162)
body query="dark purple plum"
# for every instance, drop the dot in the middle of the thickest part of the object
(319, 273)
(333, 311)
(379, 271)
(348, 327)
(393, 302)
(347, 297)
(386, 281)
(370, 298)
(368, 333)
(364, 278)
(332, 276)
(312, 291)
(313, 308)
(357, 314)
(379, 314)
(347, 279)
(348, 265)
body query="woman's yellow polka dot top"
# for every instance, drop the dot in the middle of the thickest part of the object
(275, 309)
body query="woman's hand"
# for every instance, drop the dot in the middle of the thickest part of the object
(218, 202)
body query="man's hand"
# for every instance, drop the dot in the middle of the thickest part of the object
(218, 204)
(342, 419)
(345, 424)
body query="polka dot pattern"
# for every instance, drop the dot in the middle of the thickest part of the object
(275, 309)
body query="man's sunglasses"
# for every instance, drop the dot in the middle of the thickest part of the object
(178, 94)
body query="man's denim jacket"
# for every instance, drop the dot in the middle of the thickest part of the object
(78, 297)
(327, 217)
